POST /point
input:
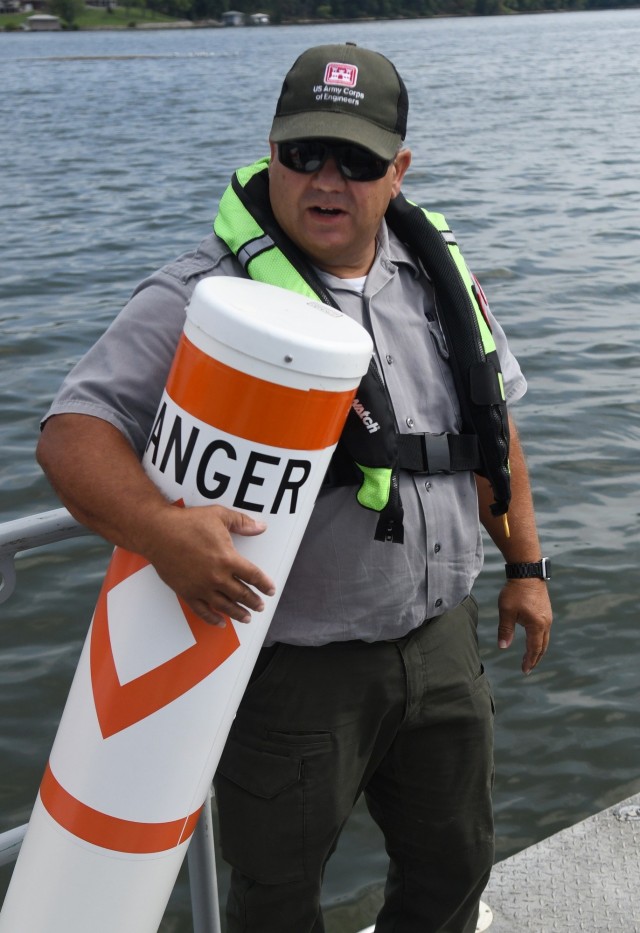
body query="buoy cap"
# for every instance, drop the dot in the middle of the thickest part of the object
(280, 327)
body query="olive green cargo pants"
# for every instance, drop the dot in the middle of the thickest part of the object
(407, 722)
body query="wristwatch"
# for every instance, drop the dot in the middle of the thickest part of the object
(540, 569)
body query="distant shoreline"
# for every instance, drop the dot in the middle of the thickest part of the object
(216, 24)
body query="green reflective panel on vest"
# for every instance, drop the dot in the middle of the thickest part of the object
(374, 492)
(273, 268)
(236, 226)
(247, 172)
(441, 224)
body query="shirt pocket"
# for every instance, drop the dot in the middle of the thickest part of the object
(433, 326)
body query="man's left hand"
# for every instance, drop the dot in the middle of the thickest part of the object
(525, 603)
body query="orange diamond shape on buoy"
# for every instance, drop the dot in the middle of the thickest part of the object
(119, 705)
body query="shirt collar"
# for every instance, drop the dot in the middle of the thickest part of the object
(391, 249)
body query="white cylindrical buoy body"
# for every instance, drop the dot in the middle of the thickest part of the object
(257, 396)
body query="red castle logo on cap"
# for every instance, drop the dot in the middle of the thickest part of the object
(337, 73)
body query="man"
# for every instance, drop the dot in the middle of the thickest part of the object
(370, 679)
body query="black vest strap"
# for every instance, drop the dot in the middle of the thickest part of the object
(418, 453)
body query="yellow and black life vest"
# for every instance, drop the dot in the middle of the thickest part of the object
(373, 458)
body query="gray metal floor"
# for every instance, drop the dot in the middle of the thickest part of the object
(586, 878)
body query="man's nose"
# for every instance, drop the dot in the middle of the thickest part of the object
(329, 176)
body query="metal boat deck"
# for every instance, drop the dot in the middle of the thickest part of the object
(586, 877)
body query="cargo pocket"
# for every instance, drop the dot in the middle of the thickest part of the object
(261, 810)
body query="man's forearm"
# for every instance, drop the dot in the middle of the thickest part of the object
(523, 544)
(98, 477)
(521, 602)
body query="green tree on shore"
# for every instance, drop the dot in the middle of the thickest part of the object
(287, 11)
(67, 10)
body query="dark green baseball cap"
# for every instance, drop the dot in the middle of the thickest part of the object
(346, 93)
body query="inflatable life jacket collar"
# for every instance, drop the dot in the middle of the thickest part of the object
(246, 223)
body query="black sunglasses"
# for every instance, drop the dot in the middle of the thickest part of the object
(354, 162)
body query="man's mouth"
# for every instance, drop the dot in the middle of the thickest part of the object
(327, 211)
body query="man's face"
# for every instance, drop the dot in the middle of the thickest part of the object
(331, 219)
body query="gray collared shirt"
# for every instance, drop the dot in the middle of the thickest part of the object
(343, 584)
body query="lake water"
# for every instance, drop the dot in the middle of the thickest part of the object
(115, 148)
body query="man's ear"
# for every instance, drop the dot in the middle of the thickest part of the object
(400, 165)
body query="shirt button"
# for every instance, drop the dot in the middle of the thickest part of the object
(438, 603)
(389, 359)
(410, 422)
(427, 486)
(436, 548)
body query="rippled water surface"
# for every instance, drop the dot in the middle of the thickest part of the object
(526, 133)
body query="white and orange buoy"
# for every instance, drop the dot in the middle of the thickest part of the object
(259, 390)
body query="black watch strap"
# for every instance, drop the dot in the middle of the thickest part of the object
(540, 569)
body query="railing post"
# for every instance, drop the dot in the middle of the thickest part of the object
(203, 879)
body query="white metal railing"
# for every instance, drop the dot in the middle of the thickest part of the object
(24, 534)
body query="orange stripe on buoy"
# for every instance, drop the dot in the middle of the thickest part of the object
(252, 408)
(111, 832)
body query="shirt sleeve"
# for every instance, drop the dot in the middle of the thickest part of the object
(515, 384)
(122, 377)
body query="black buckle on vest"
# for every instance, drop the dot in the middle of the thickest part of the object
(424, 453)
(438, 453)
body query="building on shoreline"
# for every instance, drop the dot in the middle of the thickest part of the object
(42, 22)
(233, 18)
